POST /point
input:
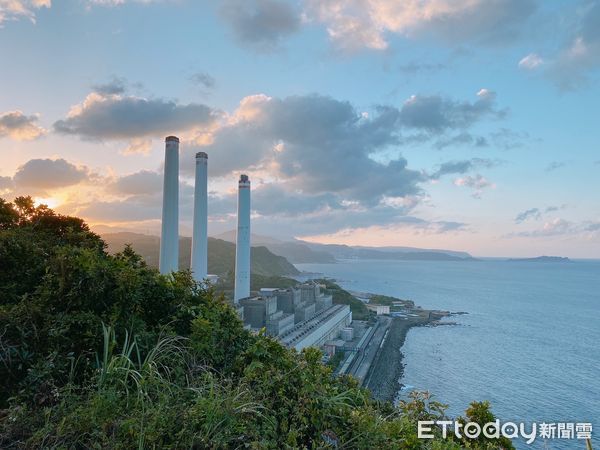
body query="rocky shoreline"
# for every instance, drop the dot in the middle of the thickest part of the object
(388, 367)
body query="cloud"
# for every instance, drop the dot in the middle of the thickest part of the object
(414, 68)
(476, 182)
(316, 144)
(314, 164)
(531, 62)
(136, 197)
(572, 66)
(116, 86)
(130, 210)
(537, 213)
(461, 139)
(260, 24)
(273, 199)
(119, 2)
(18, 9)
(143, 182)
(507, 139)
(462, 166)
(6, 184)
(554, 165)
(554, 227)
(101, 117)
(559, 227)
(18, 126)
(48, 174)
(554, 208)
(138, 147)
(357, 24)
(593, 226)
(533, 213)
(437, 114)
(203, 80)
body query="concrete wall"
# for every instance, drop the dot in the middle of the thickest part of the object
(304, 312)
(254, 312)
(280, 323)
(324, 302)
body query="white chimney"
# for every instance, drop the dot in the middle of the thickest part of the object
(169, 237)
(199, 263)
(242, 248)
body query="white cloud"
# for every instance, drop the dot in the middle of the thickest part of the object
(260, 24)
(49, 174)
(554, 227)
(476, 182)
(18, 9)
(356, 24)
(531, 62)
(111, 116)
(18, 126)
(578, 59)
(138, 147)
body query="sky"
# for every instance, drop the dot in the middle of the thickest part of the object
(460, 124)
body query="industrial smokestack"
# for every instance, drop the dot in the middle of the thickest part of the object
(242, 248)
(169, 236)
(200, 235)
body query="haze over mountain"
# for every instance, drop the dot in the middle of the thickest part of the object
(298, 251)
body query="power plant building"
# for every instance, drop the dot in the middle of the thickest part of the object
(299, 317)
(262, 312)
(323, 327)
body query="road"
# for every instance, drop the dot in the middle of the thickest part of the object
(364, 358)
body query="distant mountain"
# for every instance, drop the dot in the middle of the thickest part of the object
(221, 254)
(392, 253)
(553, 259)
(296, 252)
(255, 239)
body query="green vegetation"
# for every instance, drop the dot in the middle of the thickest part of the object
(336, 359)
(388, 301)
(101, 351)
(226, 284)
(343, 297)
(221, 254)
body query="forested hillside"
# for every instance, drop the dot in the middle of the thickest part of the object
(221, 254)
(101, 351)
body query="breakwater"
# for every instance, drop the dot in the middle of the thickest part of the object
(383, 379)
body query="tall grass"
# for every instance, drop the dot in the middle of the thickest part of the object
(128, 369)
(216, 413)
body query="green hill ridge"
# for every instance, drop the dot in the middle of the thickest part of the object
(221, 254)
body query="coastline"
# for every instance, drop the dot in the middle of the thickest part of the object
(383, 379)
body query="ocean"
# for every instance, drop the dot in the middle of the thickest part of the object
(530, 343)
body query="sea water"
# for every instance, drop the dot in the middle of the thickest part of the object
(530, 343)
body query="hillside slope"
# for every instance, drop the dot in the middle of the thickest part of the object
(221, 254)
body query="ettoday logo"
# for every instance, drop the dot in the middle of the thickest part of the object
(510, 430)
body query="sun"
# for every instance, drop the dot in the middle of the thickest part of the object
(50, 202)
